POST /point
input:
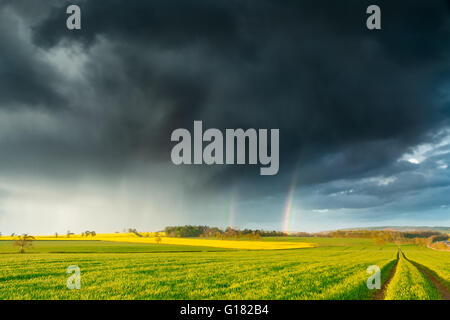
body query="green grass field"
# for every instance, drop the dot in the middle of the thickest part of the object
(63, 247)
(437, 262)
(410, 284)
(336, 269)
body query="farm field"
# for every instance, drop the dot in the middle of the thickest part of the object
(333, 269)
(409, 283)
(188, 242)
(435, 262)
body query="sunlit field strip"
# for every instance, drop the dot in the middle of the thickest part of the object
(319, 273)
(252, 245)
(230, 244)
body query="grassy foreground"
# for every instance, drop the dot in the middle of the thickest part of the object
(335, 269)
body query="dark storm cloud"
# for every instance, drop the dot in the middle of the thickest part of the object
(23, 78)
(348, 101)
(166, 23)
(343, 97)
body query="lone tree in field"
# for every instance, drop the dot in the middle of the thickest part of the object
(158, 239)
(69, 234)
(23, 242)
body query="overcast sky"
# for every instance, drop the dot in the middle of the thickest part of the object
(86, 116)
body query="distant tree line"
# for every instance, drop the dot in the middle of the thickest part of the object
(388, 235)
(379, 236)
(214, 232)
(190, 231)
(433, 239)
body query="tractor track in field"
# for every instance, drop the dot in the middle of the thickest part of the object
(435, 280)
(445, 294)
(382, 292)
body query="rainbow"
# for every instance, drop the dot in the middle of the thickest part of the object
(289, 200)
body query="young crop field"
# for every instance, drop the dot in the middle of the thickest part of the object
(332, 269)
(436, 262)
(410, 284)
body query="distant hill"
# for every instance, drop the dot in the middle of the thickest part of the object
(445, 230)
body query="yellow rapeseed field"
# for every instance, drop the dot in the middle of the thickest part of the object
(229, 244)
